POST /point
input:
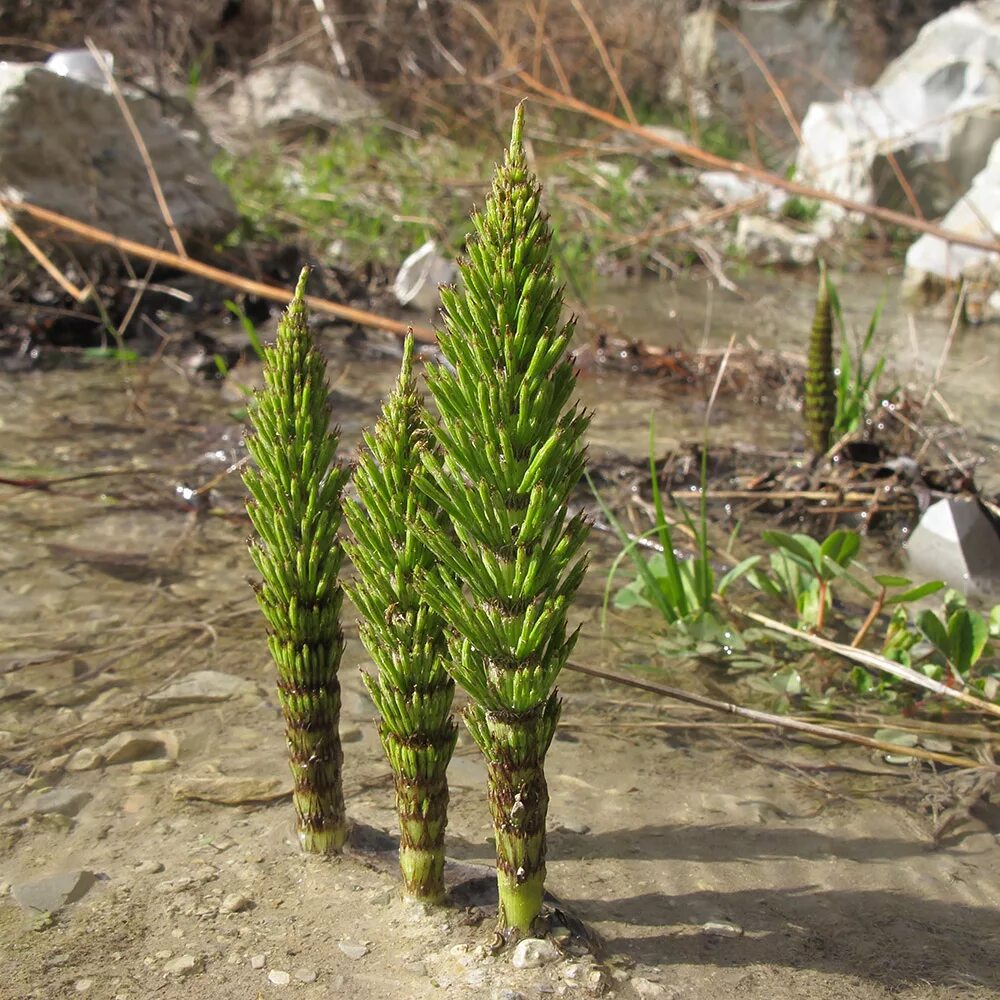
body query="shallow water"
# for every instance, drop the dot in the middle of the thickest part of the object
(774, 311)
(111, 587)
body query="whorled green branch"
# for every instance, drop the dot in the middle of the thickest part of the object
(295, 508)
(412, 690)
(511, 451)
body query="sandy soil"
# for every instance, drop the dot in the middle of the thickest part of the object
(711, 862)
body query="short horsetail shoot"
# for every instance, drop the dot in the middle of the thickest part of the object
(295, 508)
(819, 405)
(412, 690)
(511, 451)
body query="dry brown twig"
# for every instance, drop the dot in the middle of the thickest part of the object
(423, 334)
(140, 145)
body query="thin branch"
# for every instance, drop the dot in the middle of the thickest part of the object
(140, 145)
(781, 721)
(274, 293)
(700, 157)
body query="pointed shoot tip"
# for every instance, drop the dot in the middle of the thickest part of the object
(517, 130)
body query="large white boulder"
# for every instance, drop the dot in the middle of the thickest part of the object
(977, 214)
(64, 145)
(935, 109)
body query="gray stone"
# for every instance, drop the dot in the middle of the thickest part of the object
(294, 98)
(204, 686)
(278, 977)
(258, 961)
(51, 894)
(766, 241)
(533, 953)
(573, 826)
(138, 745)
(183, 965)
(84, 760)
(159, 765)
(65, 145)
(231, 791)
(149, 867)
(64, 801)
(351, 950)
(305, 975)
(955, 541)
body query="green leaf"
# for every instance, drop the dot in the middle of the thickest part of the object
(739, 570)
(841, 547)
(967, 635)
(922, 590)
(935, 632)
(804, 550)
(898, 736)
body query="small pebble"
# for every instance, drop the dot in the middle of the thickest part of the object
(646, 988)
(235, 902)
(722, 928)
(573, 827)
(305, 975)
(279, 977)
(351, 736)
(257, 961)
(84, 760)
(82, 985)
(155, 766)
(149, 867)
(353, 950)
(533, 953)
(182, 966)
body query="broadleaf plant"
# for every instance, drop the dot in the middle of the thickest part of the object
(296, 510)
(404, 637)
(511, 452)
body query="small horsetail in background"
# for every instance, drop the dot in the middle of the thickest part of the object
(819, 407)
(296, 511)
(413, 692)
(510, 454)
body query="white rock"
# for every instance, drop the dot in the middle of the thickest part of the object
(235, 902)
(279, 977)
(65, 145)
(418, 278)
(354, 951)
(183, 965)
(305, 975)
(258, 961)
(722, 928)
(204, 686)
(82, 985)
(292, 98)
(727, 187)
(934, 108)
(647, 988)
(149, 867)
(765, 241)
(80, 65)
(533, 953)
(956, 542)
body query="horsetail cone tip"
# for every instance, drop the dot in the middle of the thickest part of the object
(819, 404)
(512, 444)
(412, 690)
(295, 492)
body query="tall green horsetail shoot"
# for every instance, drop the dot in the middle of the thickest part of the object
(296, 512)
(511, 451)
(412, 690)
